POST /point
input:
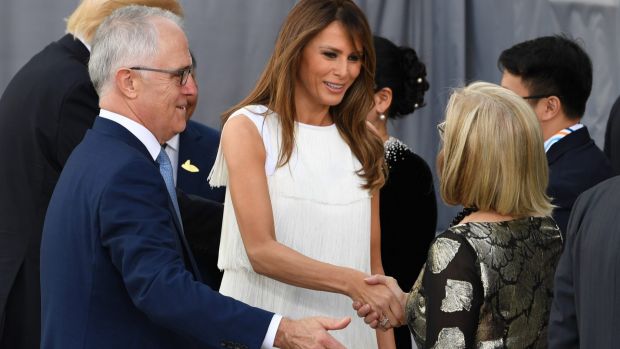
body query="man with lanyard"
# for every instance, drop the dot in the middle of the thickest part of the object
(554, 74)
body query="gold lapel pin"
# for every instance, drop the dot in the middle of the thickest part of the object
(189, 167)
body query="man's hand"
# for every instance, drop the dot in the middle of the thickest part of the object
(309, 333)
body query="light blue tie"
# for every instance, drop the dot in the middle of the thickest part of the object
(165, 168)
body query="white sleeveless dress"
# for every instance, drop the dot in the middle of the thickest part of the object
(319, 209)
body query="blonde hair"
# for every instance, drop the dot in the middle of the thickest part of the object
(89, 14)
(493, 156)
(276, 86)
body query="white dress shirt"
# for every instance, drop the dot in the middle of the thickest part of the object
(152, 145)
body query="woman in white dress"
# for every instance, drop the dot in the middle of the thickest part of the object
(301, 221)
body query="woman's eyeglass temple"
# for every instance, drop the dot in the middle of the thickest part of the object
(441, 127)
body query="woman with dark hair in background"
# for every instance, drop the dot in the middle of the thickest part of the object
(408, 207)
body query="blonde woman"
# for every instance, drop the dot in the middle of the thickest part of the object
(301, 220)
(488, 280)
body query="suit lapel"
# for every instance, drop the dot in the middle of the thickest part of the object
(115, 130)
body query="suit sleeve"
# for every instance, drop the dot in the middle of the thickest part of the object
(563, 331)
(137, 230)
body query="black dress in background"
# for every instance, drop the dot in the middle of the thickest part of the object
(408, 211)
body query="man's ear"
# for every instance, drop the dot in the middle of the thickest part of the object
(552, 107)
(383, 100)
(126, 83)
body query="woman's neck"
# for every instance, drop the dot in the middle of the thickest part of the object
(381, 128)
(312, 114)
(486, 216)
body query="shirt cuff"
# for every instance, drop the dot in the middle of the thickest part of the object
(270, 337)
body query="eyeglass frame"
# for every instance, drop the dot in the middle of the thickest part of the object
(183, 73)
(539, 96)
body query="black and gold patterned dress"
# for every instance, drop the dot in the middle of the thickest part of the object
(487, 285)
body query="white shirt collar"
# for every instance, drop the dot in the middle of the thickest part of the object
(173, 142)
(142, 133)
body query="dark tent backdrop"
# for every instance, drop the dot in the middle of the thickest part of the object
(458, 39)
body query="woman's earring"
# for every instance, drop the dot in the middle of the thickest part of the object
(382, 117)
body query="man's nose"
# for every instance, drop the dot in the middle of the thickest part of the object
(190, 87)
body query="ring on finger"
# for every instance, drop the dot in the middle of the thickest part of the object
(384, 321)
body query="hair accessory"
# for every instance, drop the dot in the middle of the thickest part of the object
(419, 80)
(382, 117)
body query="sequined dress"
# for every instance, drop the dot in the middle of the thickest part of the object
(487, 285)
(319, 209)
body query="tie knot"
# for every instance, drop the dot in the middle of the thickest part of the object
(162, 158)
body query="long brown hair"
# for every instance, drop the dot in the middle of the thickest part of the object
(276, 86)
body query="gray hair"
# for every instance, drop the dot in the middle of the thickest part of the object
(126, 38)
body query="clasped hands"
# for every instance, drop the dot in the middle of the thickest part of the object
(383, 305)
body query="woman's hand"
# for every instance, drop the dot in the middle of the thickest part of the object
(381, 305)
(374, 316)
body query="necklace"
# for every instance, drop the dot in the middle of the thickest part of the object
(464, 213)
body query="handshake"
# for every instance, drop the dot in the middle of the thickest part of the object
(383, 307)
(378, 299)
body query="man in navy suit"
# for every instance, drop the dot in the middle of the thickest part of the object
(554, 74)
(192, 153)
(116, 270)
(44, 112)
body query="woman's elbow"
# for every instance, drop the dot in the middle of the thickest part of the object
(259, 259)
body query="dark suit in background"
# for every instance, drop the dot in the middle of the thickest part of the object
(126, 268)
(612, 137)
(44, 112)
(199, 144)
(575, 165)
(586, 302)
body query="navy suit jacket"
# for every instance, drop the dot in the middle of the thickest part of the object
(586, 301)
(115, 269)
(575, 165)
(198, 144)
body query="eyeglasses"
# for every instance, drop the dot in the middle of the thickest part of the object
(441, 128)
(537, 96)
(182, 73)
